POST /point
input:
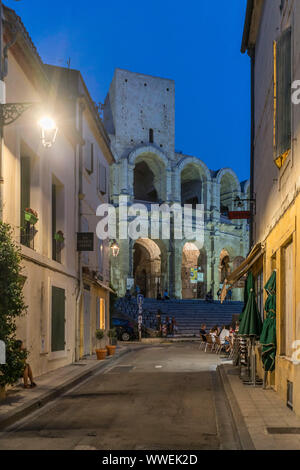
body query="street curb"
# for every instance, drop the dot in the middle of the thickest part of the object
(237, 417)
(35, 404)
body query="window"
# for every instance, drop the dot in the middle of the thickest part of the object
(57, 210)
(89, 157)
(58, 319)
(101, 178)
(282, 97)
(151, 136)
(288, 308)
(100, 256)
(100, 313)
(25, 171)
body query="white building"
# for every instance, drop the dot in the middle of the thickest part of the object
(66, 293)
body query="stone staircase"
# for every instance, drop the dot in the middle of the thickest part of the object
(191, 314)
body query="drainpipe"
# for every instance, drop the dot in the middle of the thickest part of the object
(252, 195)
(79, 213)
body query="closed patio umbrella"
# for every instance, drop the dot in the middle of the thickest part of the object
(268, 335)
(251, 324)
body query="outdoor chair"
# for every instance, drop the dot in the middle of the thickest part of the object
(209, 343)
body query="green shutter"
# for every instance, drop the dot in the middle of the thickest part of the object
(58, 319)
(25, 194)
(283, 88)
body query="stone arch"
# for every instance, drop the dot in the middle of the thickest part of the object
(246, 194)
(192, 174)
(194, 259)
(246, 189)
(224, 268)
(147, 266)
(229, 188)
(149, 179)
(197, 163)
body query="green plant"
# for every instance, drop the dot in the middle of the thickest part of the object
(99, 334)
(112, 334)
(12, 306)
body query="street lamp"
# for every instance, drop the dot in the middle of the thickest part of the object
(115, 249)
(48, 131)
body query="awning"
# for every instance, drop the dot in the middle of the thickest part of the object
(104, 286)
(254, 255)
(256, 252)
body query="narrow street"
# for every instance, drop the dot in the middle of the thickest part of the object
(158, 397)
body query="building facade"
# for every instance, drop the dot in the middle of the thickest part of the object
(271, 37)
(66, 292)
(139, 116)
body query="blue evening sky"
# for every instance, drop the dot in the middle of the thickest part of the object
(196, 43)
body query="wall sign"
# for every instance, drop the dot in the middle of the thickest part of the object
(85, 241)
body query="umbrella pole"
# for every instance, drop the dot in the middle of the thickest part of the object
(253, 362)
(265, 380)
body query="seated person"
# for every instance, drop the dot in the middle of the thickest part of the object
(166, 295)
(203, 333)
(224, 335)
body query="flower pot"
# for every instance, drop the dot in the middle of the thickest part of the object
(101, 354)
(111, 349)
(29, 217)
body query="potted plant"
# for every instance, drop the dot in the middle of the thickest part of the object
(100, 352)
(111, 347)
(31, 216)
(59, 236)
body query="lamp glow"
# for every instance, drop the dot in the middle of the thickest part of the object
(115, 249)
(48, 131)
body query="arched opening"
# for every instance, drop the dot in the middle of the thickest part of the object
(191, 185)
(149, 179)
(193, 272)
(143, 183)
(147, 267)
(224, 267)
(228, 192)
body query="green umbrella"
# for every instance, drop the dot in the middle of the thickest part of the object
(246, 293)
(268, 335)
(251, 324)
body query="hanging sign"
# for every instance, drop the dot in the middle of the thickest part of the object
(239, 215)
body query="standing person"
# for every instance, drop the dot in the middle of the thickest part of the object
(219, 294)
(174, 326)
(229, 294)
(158, 321)
(168, 325)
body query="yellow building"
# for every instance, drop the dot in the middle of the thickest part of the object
(271, 38)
